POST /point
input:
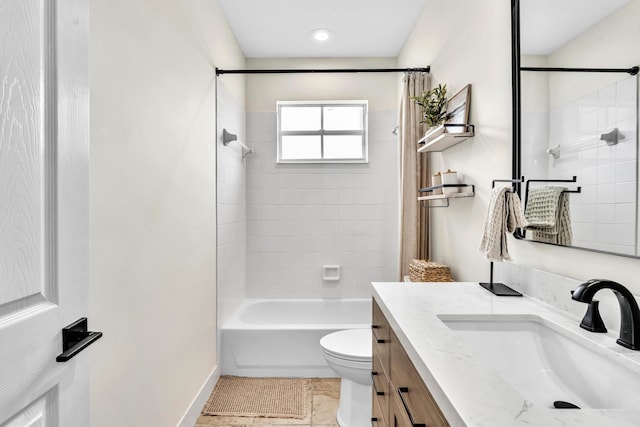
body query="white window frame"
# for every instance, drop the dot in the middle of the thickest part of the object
(321, 132)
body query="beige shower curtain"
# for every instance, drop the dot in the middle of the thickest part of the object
(414, 174)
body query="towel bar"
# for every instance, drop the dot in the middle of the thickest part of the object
(526, 194)
(228, 137)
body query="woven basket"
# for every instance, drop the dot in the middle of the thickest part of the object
(426, 271)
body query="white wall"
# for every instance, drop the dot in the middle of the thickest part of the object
(470, 47)
(232, 201)
(477, 50)
(153, 212)
(301, 217)
(612, 43)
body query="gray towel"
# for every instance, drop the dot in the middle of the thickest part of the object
(548, 215)
(503, 215)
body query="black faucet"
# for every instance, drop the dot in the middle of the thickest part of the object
(629, 312)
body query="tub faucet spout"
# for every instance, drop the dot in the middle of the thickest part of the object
(629, 311)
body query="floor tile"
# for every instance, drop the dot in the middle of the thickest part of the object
(281, 421)
(280, 425)
(325, 406)
(325, 383)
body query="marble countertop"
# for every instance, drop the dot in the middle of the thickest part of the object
(468, 393)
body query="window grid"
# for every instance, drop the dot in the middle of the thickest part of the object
(322, 132)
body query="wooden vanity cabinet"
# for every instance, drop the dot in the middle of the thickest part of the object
(400, 397)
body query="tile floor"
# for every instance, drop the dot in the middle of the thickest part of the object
(323, 397)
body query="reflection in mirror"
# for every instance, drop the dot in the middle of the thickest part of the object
(579, 123)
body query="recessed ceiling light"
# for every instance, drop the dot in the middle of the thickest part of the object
(321, 35)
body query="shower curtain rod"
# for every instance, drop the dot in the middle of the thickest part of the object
(220, 71)
(633, 70)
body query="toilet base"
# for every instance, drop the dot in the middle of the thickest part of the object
(354, 409)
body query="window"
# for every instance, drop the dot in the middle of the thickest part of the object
(322, 132)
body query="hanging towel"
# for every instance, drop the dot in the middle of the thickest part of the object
(503, 215)
(548, 215)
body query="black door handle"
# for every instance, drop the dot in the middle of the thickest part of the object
(75, 338)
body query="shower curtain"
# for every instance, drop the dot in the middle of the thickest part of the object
(414, 174)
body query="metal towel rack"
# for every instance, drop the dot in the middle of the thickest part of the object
(500, 289)
(574, 179)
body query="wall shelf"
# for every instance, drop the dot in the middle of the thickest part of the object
(467, 190)
(441, 138)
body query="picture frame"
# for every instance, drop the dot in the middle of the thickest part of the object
(458, 107)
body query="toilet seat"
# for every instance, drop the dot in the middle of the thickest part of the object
(352, 344)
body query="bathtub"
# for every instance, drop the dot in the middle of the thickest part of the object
(281, 338)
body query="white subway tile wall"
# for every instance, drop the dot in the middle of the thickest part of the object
(303, 216)
(604, 213)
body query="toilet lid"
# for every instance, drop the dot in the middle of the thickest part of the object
(352, 344)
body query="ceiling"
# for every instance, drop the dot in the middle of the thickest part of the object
(546, 25)
(362, 28)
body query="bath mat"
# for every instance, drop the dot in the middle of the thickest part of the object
(258, 397)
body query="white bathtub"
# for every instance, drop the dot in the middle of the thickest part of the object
(281, 338)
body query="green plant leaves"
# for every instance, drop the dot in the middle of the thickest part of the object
(434, 105)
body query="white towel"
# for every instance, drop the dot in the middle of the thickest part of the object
(503, 215)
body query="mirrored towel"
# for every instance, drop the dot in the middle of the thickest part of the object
(548, 215)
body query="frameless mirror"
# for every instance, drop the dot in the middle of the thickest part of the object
(576, 115)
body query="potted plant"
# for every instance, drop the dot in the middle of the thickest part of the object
(434, 105)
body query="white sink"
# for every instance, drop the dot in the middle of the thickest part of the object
(545, 362)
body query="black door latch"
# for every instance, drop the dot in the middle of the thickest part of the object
(75, 338)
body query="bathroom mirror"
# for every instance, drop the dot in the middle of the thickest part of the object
(575, 114)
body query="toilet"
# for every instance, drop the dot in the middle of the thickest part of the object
(348, 353)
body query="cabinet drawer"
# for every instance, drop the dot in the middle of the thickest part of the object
(398, 415)
(381, 352)
(380, 379)
(409, 390)
(378, 415)
(379, 324)
(381, 337)
(380, 388)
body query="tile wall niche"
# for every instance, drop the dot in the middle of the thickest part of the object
(231, 206)
(604, 214)
(301, 217)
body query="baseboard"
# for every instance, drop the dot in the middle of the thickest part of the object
(191, 416)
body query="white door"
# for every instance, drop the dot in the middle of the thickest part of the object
(44, 215)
